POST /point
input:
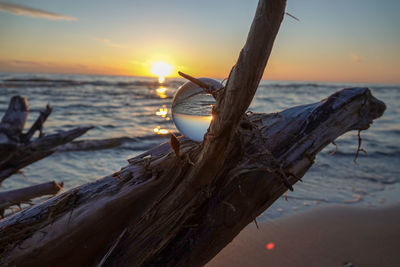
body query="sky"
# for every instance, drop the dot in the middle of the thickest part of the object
(336, 41)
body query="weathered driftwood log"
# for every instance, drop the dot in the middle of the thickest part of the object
(138, 206)
(17, 150)
(22, 195)
(180, 207)
(94, 144)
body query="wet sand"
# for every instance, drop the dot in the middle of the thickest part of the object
(327, 236)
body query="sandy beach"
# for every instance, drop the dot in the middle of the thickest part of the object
(327, 236)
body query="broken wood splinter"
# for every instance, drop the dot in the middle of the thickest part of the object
(175, 145)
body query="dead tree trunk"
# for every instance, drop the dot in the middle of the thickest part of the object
(17, 150)
(169, 210)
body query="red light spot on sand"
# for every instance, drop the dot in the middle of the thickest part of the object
(270, 246)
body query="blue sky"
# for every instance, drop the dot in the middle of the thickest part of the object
(342, 40)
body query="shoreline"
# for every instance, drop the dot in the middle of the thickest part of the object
(325, 236)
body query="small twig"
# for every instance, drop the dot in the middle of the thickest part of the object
(208, 88)
(38, 125)
(175, 145)
(60, 185)
(290, 15)
(285, 179)
(335, 150)
(359, 147)
(255, 221)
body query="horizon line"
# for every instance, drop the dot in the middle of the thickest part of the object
(181, 78)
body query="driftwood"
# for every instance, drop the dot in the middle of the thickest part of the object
(139, 202)
(19, 196)
(85, 145)
(17, 149)
(179, 206)
(140, 143)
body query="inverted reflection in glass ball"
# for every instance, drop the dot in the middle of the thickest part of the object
(191, 109)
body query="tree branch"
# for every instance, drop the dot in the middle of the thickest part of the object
(18, 196)
(38, 125)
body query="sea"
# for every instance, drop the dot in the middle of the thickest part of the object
(138, 110)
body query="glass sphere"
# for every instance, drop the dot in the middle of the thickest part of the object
(191, 109)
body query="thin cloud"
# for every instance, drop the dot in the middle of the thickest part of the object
(20, 10)
(18, 65)
(18, 62)
(109, 43)
(26, 63)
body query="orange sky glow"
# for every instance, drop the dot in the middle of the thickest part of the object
(319, 47)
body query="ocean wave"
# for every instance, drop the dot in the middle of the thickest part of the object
(44, 82)
(375, 154)
(298, 86)
(135, 143)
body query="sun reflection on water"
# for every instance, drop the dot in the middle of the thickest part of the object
(158, 130)
(162, 112)
(161, 92)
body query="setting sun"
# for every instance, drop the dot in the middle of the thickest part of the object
(161, 69)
